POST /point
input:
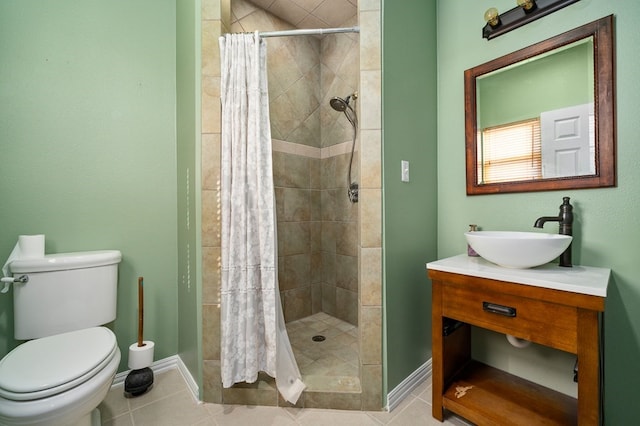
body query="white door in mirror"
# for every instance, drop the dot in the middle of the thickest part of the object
(568, 141)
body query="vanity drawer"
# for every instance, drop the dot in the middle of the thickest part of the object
(543, 322)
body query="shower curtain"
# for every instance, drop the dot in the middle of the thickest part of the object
(254, 337)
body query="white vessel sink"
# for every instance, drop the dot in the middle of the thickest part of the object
(518, 249)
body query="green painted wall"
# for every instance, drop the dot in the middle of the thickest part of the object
(606, 220)
(188, 158)
(410, 213)
(88, 146)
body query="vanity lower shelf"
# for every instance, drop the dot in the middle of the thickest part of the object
(486, 395)
(553, 317)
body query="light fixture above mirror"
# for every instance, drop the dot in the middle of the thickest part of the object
(558, 95)
(526, 11)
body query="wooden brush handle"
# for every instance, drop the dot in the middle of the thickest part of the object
(140, 311)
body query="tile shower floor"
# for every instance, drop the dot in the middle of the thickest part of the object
(170, 403)
(326, 350)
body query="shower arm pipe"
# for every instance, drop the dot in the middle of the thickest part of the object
(316, 31)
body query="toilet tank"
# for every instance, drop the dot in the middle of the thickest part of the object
(65, 292)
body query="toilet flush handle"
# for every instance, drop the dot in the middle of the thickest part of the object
(8, 280)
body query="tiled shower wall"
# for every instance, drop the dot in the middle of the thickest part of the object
(317, 235)
(317, 226)
(338, 288)
(294, 147)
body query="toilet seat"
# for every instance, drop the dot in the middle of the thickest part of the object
(51, 365)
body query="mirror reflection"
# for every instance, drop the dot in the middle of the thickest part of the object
(542, 117)
(536, 118)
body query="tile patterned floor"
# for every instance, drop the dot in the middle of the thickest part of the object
(331, 364)
(170, 403)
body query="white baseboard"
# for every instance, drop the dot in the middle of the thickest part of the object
(394, 398)
(400, 392)
(164, 365)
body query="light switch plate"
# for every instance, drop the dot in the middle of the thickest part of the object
(405, 170)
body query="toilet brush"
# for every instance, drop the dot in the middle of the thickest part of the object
(140, 379)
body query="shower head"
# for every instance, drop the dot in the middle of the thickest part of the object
(339, 104)
(342, 105)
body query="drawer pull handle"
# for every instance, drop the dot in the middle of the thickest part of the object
(507, 311)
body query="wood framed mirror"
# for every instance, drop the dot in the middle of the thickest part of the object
(543, 118)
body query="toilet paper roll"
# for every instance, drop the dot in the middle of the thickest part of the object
(27, 247)
(141, 356)
(31, 246)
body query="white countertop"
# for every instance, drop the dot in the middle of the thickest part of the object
(577, 279)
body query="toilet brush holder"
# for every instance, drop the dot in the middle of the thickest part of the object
(140, 378)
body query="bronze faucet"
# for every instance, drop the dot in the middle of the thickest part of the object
(565, 219)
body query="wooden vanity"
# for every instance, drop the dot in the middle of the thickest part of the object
(548, 305)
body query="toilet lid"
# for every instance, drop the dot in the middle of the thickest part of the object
(50, 365)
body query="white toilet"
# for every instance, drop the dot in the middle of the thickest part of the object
(65, 369)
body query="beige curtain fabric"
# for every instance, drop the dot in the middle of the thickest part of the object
(253, 334)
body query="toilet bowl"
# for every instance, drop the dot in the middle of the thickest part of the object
(59, 379)
(65, 368)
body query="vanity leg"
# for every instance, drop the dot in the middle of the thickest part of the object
(588, 368)
(437, 346)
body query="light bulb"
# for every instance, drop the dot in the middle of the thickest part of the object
(491, 16)
(526, 4)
